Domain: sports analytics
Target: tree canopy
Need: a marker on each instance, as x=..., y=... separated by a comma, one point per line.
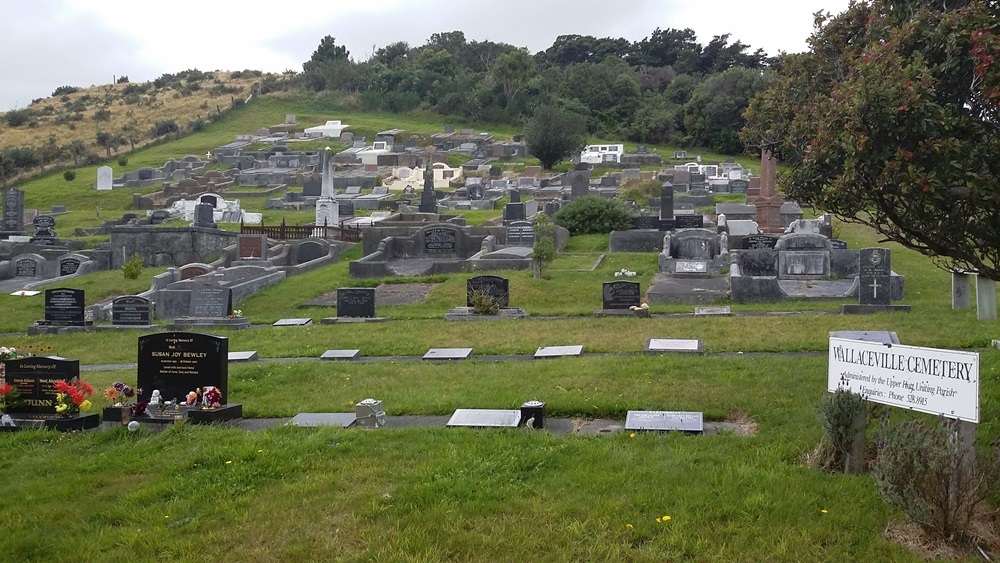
x=890, y=120
x=553, y=134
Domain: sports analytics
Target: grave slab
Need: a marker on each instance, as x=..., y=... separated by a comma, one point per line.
x=448, y=354
x=880, y=336
x=340, y=355
x=558, y=351
x=723, y=311
x=485, y=418
x=664, y=421
x=316, y=419
x=661, y=345
x=247, y=356
x=293, y=322
x=851, y=309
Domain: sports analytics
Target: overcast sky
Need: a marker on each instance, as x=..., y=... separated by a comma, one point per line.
x=50, y=43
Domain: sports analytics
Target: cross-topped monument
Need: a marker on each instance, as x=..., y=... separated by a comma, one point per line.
x=427, y=202
x=768, y=203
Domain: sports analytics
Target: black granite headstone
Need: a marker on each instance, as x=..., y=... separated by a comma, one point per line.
x=514, y=212
x=64, y=306
x=45, y=226
x=515, y=196
x=621, y=295
x=689, y=221
x=35, y=379
x=521, y=233
x=176, y=363
x=356, y=302
x=25, y=268
x=496, y=287
x=131, y=310
x=440, y=240
x=211, y=301
x=738, y=186
x=667, y=201
x=68, y=266
x=13, y=210
x=645, y=222
x=204, y=216
x=346, y=208
x=837, y=244
x=757, y=242
x=874, y=275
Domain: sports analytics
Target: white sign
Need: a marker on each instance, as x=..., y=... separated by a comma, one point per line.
x=928, y=380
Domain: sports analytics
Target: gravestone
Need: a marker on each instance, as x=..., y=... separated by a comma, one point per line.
x=485, y=418
x=664, y=421
x=356, y=302
x=438, y=240
x=758, y=242
x=176, y=363
x=131, y=310
x=521, y=233
x=515, y=196
x=738, y=186
x=514, y=212
x=645, y=222
x=874, y=273
x=252, y=246
x=696, y=221
x=35, y=379
x=69, y=266
x=666, y=201
x=496, y=172
x=640, y=149
x=837, y=244
x=104, y=178
x=204, y=216
x=45, y=232
x=25, y=268
x=209, y=301
x=621, y=295
x=13, y=211
x=309, y=250
x=495, y=286
x=64, y=306
x=579, y=183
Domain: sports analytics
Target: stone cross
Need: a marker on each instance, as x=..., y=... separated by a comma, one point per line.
x=768, y=203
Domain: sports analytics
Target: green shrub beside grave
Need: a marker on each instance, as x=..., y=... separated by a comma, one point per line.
x=133, y=267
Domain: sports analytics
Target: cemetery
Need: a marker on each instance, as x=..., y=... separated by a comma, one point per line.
x=245, y=353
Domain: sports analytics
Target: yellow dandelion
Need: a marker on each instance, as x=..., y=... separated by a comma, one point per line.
x=229, y=462
x=629, y=526
x=167, y=516
x=657, y=519
x=666, y=518
x=260, y=451
x=632, y=435
x=823, y=511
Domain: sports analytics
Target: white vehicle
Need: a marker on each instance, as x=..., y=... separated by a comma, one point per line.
x=596, y=154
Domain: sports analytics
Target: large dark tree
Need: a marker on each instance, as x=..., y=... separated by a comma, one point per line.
x=891, y=121
x=554, y=133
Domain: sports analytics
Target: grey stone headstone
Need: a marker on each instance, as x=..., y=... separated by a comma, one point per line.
x=13, y=210
x=520, y=233
x=485, y=418
x=25, y=268
x=874, y=273
x=515, y=196
x=664, y=421
x=211, y=301
x=204, y=215
x=662, y=345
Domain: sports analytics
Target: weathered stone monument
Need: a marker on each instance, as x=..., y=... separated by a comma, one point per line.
x=428, y=204
x=13, y=212
x=768, y=203
x=327, y=208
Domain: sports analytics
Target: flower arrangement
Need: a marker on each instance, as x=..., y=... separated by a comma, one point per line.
x=7, y=353
x=8, y=394
x=71, y=396
x=236, y=314
x=624, y=273
x=119, y=394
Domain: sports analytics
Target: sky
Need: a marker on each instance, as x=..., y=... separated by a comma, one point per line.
x=52, y=43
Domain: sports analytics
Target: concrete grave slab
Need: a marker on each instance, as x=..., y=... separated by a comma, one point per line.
x=664, y=421
x=293, y=322
x=247, y=356
x=448, y=354
x=341, y=355
x=485, y=418
x=558, y=351
x=316, y=419
x=721, y=311
x=661, y=345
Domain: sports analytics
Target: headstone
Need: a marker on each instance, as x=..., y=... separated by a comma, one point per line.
x=579, y=183
x=738, y=186
x=515, y=196
x=485, y=418
x=986, y=299
x=13, y=211
x=69, y=266
x=666, y=201
x=696, y=221
x=25, y=268
x=496, y=172
x=243, y=356
x=428, y=204
x=293, y=322
x=439, y=240
x=662, y=345
x=961, y=290
x=35, y=379
x=837, y=244
x=621, y=295
x=495, y=286
x=874, y=272
x=64, y=306
x=640, y=148
x=448, y=354
x=176, y=363
x=317, y=419
x=664, y=420
x=645, y=222
x=557, y=351
x=340, y=355
x=680, y=154
x=252, y=246
x=356, y=302
x=514, y=212
x=104, y=177
x=209, y=301
x=327, y=207
x=757, y=242
x=44, y=227
x=131, y=310
x=520, y=233
x=204, y=216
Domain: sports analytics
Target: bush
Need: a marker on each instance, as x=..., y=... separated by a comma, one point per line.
x=544, y=251
x=932, y=477
x=123, y=160
x=18, y=117
x=483, y=303
x=69, y=175
x=165, y=127
x=640, y=192
x=64, y=90
x=839, y=413
x=594, y=215
x=133, y=267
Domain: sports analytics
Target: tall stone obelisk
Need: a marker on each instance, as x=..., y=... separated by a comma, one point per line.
x=327, y=208
x=768, y=203
x=428, y=203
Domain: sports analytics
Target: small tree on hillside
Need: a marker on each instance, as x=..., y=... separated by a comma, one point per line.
x=544, y=250
x=554, y=134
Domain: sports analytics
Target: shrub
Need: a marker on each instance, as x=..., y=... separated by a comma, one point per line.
x=197, y=125
x=839, y=416
x=122, y=79
x=932, y=477
x=594, y=215
x=165, y=127
x=133, y=267
x=64, y=90
x=640, y=192
x=69, y=175
x=544, y=250
x=18, y=117
x=123, y=160
x=483, y=303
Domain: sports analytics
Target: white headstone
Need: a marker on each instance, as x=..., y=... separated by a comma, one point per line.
x=104, y=177
x=327, y=208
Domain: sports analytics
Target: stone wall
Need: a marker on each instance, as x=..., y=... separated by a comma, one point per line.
x=168, y=246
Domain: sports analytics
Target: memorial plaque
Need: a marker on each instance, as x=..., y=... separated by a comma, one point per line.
x=68, y=266
x=293, y=322
x=514, y=212
x=738, y=186
x=64, y=306
x=243, y=356
x=485, y=418
x=448, y=354
x=758, y=242
x=521, y=233
x=689, y=221
x=13, y=210
x=439, y=240
x=496, y=287
x=837, y=244
x=341, y=355
x=661, y=345
x=131, y=310
x=176, y=363
x=691, y=267
x=664, y=421
x=356, y=302
x=558, y=351
x=346, y=208
x=317, y=419
x=621, y=295
x=646, y=222
x=25, y=268
x=874, y=276
x=35, y=379
x=251, y=246
x=211, y=301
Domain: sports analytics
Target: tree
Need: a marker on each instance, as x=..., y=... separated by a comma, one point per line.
x=76, y=149
x=328, y=50
x=554, y=134
x=891, y=120
x=544, y=250
x=594, y=215
x=512, y=70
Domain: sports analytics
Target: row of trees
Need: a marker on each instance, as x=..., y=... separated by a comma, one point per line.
x=664, y=88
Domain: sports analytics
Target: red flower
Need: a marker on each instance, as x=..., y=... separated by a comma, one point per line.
x=63, y=386
x=85, y=387
x=5, y=389
x=925, y=188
